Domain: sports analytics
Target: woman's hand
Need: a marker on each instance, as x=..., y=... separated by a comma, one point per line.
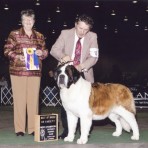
x=39, y=53
x=20, y=57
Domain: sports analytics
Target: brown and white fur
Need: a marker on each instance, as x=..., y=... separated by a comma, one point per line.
x=97, y=101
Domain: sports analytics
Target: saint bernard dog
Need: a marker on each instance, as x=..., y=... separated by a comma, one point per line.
x=97, y=101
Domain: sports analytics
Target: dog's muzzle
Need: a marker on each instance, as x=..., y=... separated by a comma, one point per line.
x=61, y=79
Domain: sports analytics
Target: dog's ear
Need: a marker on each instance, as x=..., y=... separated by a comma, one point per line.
x=76, y=74
x=73, y=73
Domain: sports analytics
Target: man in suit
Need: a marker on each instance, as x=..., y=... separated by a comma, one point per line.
x=86, y=55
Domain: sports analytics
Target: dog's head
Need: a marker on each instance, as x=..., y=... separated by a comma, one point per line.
x=66, y=75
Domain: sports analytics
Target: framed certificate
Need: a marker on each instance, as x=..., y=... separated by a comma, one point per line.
x=31, y=59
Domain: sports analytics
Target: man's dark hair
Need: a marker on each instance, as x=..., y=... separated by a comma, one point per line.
x=28, y=12
x=85, y=18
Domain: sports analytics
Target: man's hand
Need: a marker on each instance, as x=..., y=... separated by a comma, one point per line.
x=65, y=59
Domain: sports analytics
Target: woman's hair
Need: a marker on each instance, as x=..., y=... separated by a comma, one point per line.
x=85, y=18
x=28, y=12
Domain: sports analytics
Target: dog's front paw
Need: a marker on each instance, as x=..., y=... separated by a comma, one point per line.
x=116, y=134
x=69, y=138
x=135, y=137
x=82, y=141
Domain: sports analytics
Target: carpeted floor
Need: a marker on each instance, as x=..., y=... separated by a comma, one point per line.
x=101, y=135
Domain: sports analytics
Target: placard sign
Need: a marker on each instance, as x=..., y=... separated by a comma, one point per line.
x=141, y=100
x=46, y=127
x=140, y=97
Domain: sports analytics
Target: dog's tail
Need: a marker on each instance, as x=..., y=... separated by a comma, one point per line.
x=125, y=125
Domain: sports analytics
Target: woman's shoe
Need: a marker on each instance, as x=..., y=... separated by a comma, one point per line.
x=20, y=134
x=32, y=134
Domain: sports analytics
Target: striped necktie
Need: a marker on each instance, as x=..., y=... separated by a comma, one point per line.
x=77, y=53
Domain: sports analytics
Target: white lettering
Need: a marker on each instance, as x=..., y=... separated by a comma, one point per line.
x=139, y=95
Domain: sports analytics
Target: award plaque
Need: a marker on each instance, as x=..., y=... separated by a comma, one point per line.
x=46, y=127
x=31, y=59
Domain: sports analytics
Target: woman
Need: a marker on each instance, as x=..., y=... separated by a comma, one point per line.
x=25, y=80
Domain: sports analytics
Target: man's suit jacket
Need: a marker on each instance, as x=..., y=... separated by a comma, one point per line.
x=64, y=46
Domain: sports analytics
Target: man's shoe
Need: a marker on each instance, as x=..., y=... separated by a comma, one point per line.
x=20, y=134
x=63, y=135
